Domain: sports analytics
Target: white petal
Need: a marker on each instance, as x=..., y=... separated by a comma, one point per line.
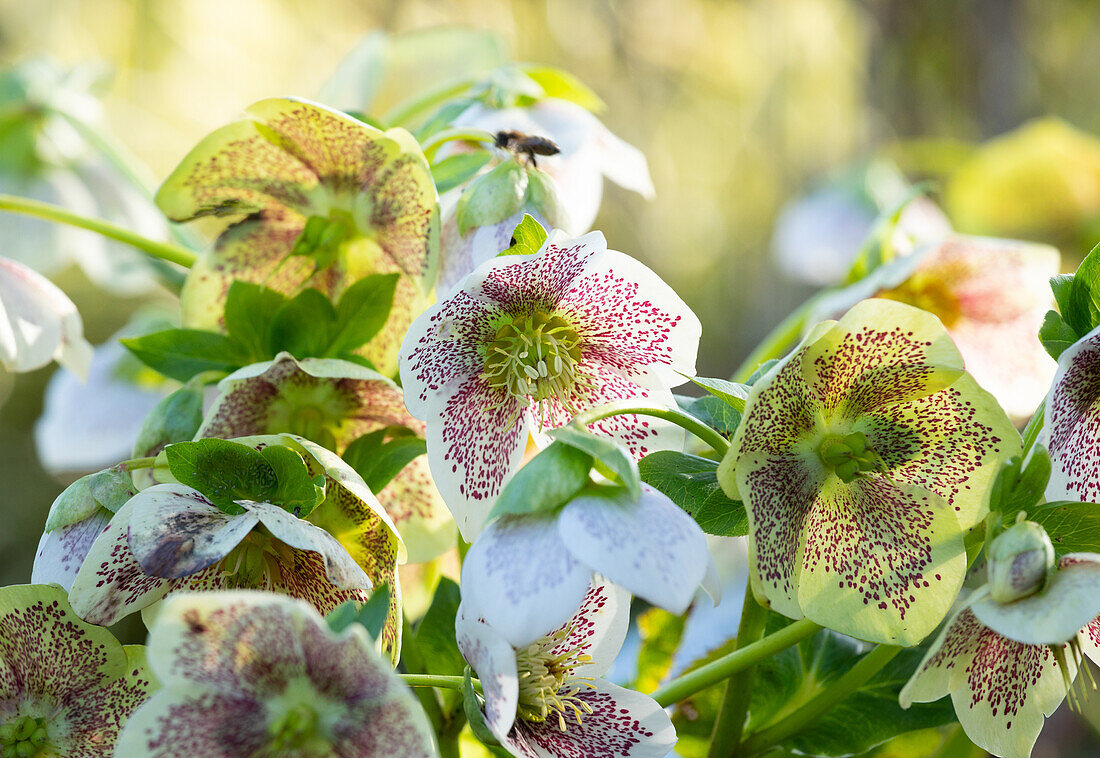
x=494, y=663
x=38, y=323
x=599, y=626
x=460, y=255
x=650, y=547
x=520, y=577
x=62, y=551
x=1072, y=424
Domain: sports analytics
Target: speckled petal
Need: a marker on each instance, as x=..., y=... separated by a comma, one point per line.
x=61, y=551
x=494, y=663
x=522, y=579
x=1089, y=640
x=1070, y=601
x=1001, y=689
x=175, y=531
x=1072, y=424
x=110, y=583
x=201, y=725
x=340, y=568
x=650, y=547
x=622, y=723
x=599, y=626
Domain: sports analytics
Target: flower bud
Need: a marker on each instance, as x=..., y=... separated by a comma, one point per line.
x=1019, y=561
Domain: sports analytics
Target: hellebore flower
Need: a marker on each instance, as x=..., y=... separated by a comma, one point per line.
x=38, y=323
x=327, y=199
x=529, y=341
x=1008, y=663
x=66, y=687
x=527, y=574
x=1070, y=427
x=862, y=459
x=334, y=403
x=589, y=152
x=547, y=699
x=171, y=537
x=991, y=295
x=255, y=674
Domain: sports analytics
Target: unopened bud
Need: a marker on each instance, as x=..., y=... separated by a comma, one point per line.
x=1019, y=561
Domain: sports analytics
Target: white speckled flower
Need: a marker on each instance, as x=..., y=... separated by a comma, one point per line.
x=527, y=574
x=1072, y=423
x=66, y=687
x=254, y=674
x=862, y=460
x=547, y=699
x=527, y=342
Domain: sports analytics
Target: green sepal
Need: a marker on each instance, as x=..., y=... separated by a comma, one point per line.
x=456, y=170
x=564, y=86
x=546, y=482
x=605, y=451
x=379, y=460
x=296, y=491
x=108, y=489
x=175, y=418
x=471, y=706
x=692, y=483
x=527, y=238
x=181, y=353
x=492, y=197
x=542, y=195
x=223, y=471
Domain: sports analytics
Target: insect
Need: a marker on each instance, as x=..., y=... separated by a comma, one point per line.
x=526, y=144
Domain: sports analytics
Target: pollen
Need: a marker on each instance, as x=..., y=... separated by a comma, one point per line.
x=548, y=684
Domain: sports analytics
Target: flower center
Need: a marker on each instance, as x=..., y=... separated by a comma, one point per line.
x=547, y=685
x=257, y=562
x=311, y=408
x=535, y=357
x=300, y=720
x=849, y=456
x=25, y=736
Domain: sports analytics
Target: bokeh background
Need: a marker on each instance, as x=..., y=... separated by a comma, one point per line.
x=740, y=105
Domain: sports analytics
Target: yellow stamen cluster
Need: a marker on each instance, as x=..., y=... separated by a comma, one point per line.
x=547, y=685
x=534, y=358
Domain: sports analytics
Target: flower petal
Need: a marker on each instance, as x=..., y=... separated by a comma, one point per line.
x=494, y=661
x=522, y=579
x=1070, y=601
x=650, y=547
x=462, y=254
x=599, y=626
x=202, y=725
x=340, y=568
x=175, y=531
x=622, y=723
x=62, y=551
x=880, y=561
x=1072, y=424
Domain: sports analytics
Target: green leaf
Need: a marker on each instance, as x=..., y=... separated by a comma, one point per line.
x=1073, y=527
x=660, y=632
x=731, y=392
x=342, y=616
x=175, y=418
x=492, y=197
x=296, y=492
x=1020, y=489
x=458, y=169
x=379, y=461
x=692, y=483
x=1062, y=287
x=546, y=482
x=1056, y=335
x=181, y=353
x=565, y=86
x=471, y=705
x=109, y=489
x=435, y=634
x=712, y=411
x=527, y=237
x=762, y=369
x=249, y=311
x=374, y=612
x=1083, y=312
x=223, y=471
x=868, y=717
x=303, y=325
x=606, y=451
x=362, y=312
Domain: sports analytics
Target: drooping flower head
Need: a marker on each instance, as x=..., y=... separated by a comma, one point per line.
x=528, y=341
x=66, y=687
x=1072, y=423
x=172, y=537
x=335, y=403
x=1009, y=655
x=547, y=699
x=862, y=459
x=327, y=199
x=251, y=673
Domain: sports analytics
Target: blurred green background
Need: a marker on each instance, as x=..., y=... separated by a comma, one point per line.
x=738, y=104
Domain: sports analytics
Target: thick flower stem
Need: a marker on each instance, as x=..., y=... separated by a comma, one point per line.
x=777, y=342
x=437, y=681
x=726, y=736
x=830, y=696
x=162, y=250
x=410, y=655
x=739, y=660
x=716, y=441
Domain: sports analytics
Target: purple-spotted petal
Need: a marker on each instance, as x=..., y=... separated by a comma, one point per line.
x=622, y=723
x=340, y=568
x=62, y=551
x=650, y=547
x=599, y=626
x=201, y=725
x=494, y=662
x=1072, y=424
x=522, y=579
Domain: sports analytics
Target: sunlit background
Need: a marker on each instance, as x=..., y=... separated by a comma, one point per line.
x=738, y=105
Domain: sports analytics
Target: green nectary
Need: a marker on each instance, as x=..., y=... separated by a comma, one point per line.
x=534, y=356
x=24, y=737
x=849, y=456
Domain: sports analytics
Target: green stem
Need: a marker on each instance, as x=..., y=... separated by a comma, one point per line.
x=448, y=746
x=414, y=661
x=730, y=664
x=137, y=463
x=162, y=250
x=431, y=145
x=726, y=737
x=778, y=341
x=830, y=696
x=437, y=681
x=1034, y=426
x=401, y=113
x=687, y=421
